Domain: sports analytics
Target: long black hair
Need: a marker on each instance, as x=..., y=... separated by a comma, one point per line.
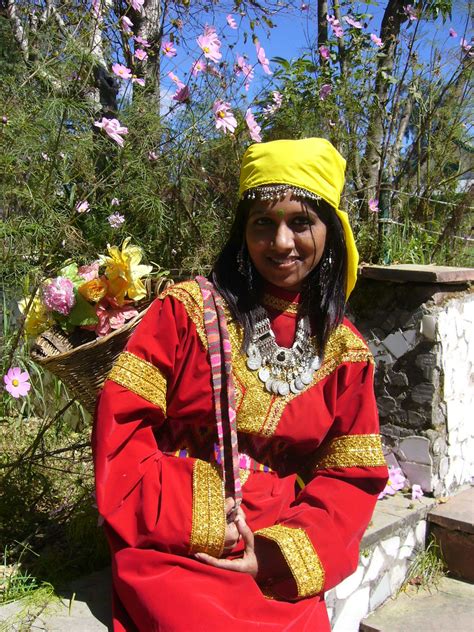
x=324, y=289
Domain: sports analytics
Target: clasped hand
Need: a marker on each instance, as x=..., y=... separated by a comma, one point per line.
x=236, y=530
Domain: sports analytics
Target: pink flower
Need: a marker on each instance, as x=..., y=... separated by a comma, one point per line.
x=58, y=295
x=122, y=71
x=465, y=45
x=335, y=25
x=452, y=33
x=139, y=80
x=416, y=492
x=113, y=129
x=114, y=202
x=89, y=272
x=231, y=22
x=396, y=481
x=182, y=94
x=96, y=8
x=127, y=24
x=325, y=91
x=210, y=45
x=142, y=41
x=168, y=49
x=243, y=68
x=137, y=4
x=152, y=156
x=354, y=23
x=140, y=54
x=410, y=12
x=324, y=52
x=197, y=67
x=111, y=316
x=374, y=205
x=262, y=58
x=83, y=207
x=254, y=127
x=224, y=118
x=116, y=220
x=16, y=382
x=376, y=40
x=277, y=99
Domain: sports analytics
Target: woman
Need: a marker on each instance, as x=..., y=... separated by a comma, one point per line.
x=183, y=558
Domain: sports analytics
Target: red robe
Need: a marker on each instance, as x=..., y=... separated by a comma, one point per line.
x=312, y=467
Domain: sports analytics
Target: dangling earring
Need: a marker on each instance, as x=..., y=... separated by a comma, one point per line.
x=325, y=267
x=244, y=265
x=240, y=260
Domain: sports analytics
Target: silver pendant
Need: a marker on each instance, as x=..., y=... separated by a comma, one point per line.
x=293, y=388
x=316, y=363
x=299, y=384
x=306, y=377
x=264, y=374
x=283, y=389
x=268, y=385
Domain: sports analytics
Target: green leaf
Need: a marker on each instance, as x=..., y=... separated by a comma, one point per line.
x=83, y=313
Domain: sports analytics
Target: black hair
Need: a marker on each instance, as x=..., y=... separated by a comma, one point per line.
x=324, y=289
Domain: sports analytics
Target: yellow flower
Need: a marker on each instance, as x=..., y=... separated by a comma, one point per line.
x=93, y=290
x=37, y=320
x=125, y=265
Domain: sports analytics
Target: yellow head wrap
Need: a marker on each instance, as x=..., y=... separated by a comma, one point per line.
x=310, y=163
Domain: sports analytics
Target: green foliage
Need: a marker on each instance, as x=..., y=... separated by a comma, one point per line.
x=427, y=568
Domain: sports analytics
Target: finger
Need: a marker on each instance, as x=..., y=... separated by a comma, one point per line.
x=247, y=534
x=229, y=504
x=229, y=565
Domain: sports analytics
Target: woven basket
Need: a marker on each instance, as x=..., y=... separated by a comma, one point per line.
x=83, y=366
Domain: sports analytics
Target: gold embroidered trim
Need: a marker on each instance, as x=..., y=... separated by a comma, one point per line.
x=259, y=412
x=352, y=451
x=189, y=294
x=299, y=553
x=208, y=530
x=140, y=377
x=279, y=304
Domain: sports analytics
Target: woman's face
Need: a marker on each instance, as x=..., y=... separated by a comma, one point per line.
x=285, y=240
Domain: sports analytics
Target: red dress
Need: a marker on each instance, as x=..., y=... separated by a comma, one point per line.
x=312, y=467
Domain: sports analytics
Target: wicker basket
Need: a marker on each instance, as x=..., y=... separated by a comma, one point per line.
x=83, y=366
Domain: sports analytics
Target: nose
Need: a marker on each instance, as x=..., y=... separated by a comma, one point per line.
x=283, y=239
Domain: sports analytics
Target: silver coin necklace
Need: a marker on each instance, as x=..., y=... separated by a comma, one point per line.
x=281, y=369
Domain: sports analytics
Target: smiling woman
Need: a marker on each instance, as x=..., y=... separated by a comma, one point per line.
x=201, y=542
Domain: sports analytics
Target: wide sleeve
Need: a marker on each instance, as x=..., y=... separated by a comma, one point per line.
x=148, y=498
x=319, y=533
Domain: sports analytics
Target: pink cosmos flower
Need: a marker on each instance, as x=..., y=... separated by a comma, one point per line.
x=83, y=207
x=416, y=492
x=137, y=5
x=354, y=23
x=58, y=295
x=210, y=44
x=410, y=12
x=231, y=22
x=89, y=272
x=197, y=67
x=254, y=127
x=466, y=46
x=16, y=382
x=243, y=68
x=152, y=156
x=374, y=205
x=140, y=54
x=139, y=80
x=224, y=117
x=113, y=129
x=182, y=94
x=122, y=71
x=324, y=52
x=325, y=91
x=335, y=25
x=277, y=99
x=142, y=41
x=116, y=220
x=127, y=24
x=168, y=49
x=262, y=58
x=396, y=481
x=376, y=40
x=114, y=202
x=452, y=33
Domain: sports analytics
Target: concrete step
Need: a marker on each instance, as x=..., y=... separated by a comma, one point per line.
x=452, y=525
x=450, y=606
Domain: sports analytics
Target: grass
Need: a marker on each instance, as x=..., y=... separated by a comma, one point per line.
x=426, y=569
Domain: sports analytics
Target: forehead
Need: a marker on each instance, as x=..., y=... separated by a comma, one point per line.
x=281, y=207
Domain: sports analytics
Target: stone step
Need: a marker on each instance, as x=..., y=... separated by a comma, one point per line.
x=452, y=525
x=450, y=606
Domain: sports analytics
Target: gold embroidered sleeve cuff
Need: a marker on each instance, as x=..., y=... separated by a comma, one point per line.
x=208, y=527
x=299, y=553
x=140, y=377
x=352, y=451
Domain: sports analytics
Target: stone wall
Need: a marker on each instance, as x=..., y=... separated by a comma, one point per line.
x=419, y=323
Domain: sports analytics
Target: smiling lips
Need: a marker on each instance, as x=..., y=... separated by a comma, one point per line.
x=283, y=263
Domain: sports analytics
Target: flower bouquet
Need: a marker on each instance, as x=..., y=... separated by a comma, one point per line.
x=83, y=317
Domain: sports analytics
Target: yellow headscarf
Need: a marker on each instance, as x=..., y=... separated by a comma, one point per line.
x=310, y=163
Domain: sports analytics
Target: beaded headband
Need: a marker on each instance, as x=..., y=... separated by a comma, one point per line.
x=277, y=191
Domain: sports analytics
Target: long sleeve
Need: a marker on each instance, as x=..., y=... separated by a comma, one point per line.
x=319, y=533
x=148, y=498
